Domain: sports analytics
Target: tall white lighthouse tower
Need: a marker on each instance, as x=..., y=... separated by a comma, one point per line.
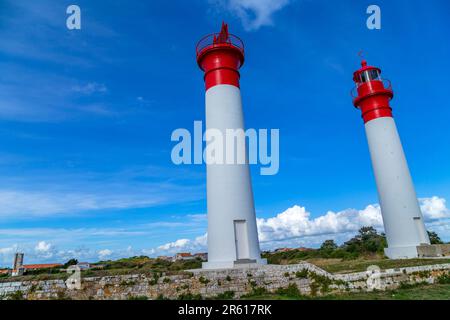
x=232, y=231
x=403, y=221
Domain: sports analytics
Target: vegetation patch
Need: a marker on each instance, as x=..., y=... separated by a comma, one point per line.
x=227, y=295
x=203, y=280
x=190, y=296
x=444, y=279
x=17, y=295
x=302, y=274
x=137, y=298
x=291, y=291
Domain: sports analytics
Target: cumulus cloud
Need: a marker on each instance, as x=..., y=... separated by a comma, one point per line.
x=44, y=250
x=253, y=13
x=434, y=208
x=196, y=245
x=43, y=246
x=104, y=253
x=296, y=222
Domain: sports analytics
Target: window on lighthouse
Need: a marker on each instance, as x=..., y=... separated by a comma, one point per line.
x=370, y=75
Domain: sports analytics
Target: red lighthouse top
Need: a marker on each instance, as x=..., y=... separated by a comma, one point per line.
x=373, y=93
x=220, y=56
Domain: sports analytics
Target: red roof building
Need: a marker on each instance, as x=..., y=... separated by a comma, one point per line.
x=41, y=266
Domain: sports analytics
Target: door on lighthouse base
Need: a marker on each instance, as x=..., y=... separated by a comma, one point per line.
x=241, y=239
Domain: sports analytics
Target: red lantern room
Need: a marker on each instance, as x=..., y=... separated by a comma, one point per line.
x=220, y=56
x=373, y=93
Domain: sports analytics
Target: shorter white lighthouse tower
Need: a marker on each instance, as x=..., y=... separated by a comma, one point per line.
x=402, y=217
x=232, y=230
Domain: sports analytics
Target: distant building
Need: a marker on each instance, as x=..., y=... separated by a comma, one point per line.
x=84, y=265
x=34, y=267
x=202, y=255
x=18, y=268
x=4, y=271
x=304, y=249
x=184, y=256
x=18, y=261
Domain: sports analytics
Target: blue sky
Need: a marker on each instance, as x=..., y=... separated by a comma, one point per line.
x=86, y=118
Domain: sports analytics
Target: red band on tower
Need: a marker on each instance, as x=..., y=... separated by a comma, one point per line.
x=220, y=56
x=373, y=96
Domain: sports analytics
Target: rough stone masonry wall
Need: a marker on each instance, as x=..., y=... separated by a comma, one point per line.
x=212, y=283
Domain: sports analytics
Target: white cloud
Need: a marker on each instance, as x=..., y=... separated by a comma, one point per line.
x=46, y=202
x=51, y=192
x=44, y=250
x=254, y=13
x=434, y=208
x=43, y=247
x=180, y=243
x=90, y=88
x=6, y=251
x=296, y=222
x=196, y=245
x=104, y=253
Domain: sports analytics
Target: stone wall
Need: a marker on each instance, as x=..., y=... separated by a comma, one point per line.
x=435, y=250
x=309, y=279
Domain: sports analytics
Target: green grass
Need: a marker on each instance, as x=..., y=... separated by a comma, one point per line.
x=423, y=292
x=348, y=266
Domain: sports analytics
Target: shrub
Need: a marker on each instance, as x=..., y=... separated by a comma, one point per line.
x=190, y=296
x=17, y=295
x=444, y=278
x=166, y=280
x=227, y=295
x=322, y=282
x=62, y=295
x=291, y=291
x=228, y=278
x=71, y=262
x=257, y=291
x=154, y=280
x=303, y=274
x=434, y=238
x=327, y=248
x=203, y=280
x=127, y=283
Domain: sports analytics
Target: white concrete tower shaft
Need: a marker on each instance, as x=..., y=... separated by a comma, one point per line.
x=232, y=229
x=402, y=217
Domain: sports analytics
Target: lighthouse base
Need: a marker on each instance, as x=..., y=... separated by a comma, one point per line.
x=409, y=252
x=214, y=265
